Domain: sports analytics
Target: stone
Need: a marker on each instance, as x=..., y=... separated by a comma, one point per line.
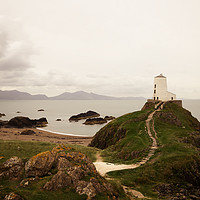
x=40, y=110
x=63, y=163
x=92, y=121
x=3, y=123
x=20, y=122
x=40, y=164
x=12, y=169
x=84, y=187
x=58, y=181
x=109, y=118
x=58, y=120
x=2, y=115
x=13, y=196
x=25, y=122
x=76, y=173
x=89, y=114
x=28, y=132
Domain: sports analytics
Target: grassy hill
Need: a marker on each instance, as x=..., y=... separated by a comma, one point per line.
x=174, y=170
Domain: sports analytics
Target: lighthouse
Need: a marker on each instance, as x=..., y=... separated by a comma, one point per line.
x=160, y=92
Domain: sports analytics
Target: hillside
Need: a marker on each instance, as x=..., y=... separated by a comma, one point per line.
x=174, y=170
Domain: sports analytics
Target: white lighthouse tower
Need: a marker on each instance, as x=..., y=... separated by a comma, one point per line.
x=160, y=89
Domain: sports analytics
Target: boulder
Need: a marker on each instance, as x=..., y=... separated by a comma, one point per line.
x=12, y=169
x=76, y=173
x=2, y=115
x=58, y=120
x=109, y=118
x=13, y=196
x=63, y=163
x=40, y=164
x=42, y=122
x=20, y=122
x=25, y=122
x=67, y=168
x=3, y=123
x=58, y=181
x=28, y=132
x=40, y=110
x=92, y=121
x=89, y=114
x=84, y=187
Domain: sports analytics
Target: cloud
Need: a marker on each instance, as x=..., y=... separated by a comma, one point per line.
x=15, y=48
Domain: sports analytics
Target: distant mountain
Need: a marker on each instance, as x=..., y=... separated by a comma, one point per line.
x=80, y=95
x=16, y=95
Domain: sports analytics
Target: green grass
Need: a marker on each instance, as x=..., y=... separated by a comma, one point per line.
x=173, y=162
x=26, y=150
x=34, y=191
x=135, y=142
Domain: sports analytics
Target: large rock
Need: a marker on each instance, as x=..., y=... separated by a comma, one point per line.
x=58, y=181
x=40, y=164
x=12, y=169
x=66, y=169
x=28, y=132
x=3, y=123
x=109, y=118
x=25, y=122
x=2, y=115
x=89, y=114
x=20, y=122
x=92, y=121
x=84, y=187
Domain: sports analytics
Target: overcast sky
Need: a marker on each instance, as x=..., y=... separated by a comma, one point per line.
x=111, y=47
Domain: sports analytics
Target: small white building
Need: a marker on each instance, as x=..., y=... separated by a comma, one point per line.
x=160, y=89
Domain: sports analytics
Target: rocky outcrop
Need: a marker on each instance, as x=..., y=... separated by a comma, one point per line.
x=92, y=121
x=40, y=164
x=89, y=114
x=108, y=118
x=65, y=169
x=25, y=122
x=58, y=181
x=12, y=169
x=3, y=123
x=2, y=115
x=98, y=120
x=28, y=132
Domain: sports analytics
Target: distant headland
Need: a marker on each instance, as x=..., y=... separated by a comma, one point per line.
x=79, y=95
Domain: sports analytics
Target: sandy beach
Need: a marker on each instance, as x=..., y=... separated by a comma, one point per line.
x=42, y=136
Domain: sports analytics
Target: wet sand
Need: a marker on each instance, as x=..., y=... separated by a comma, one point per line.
x=42, y=136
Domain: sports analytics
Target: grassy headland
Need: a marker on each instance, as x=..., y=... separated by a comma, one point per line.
x=174, y=170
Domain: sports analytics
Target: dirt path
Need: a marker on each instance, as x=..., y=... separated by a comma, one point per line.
x=104, y=167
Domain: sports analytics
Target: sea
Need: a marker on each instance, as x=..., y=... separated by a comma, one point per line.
x=64, y=109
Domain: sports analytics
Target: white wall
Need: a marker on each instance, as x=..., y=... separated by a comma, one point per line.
x=160, y=90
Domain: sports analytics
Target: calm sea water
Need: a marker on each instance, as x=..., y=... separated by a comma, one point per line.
x=65, y=109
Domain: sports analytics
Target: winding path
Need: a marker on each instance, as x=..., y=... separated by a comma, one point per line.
x=104, y=167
